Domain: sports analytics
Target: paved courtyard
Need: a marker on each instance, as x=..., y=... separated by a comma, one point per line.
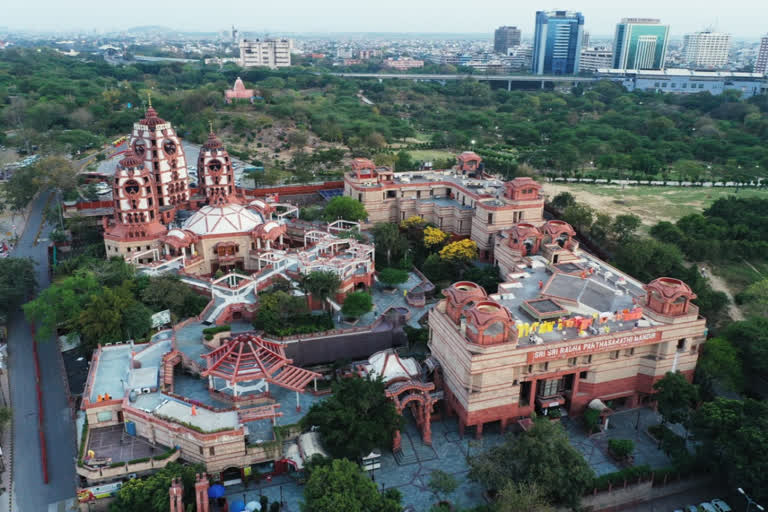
x=409, y=471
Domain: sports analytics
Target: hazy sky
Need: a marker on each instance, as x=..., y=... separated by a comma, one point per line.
x=742, y=18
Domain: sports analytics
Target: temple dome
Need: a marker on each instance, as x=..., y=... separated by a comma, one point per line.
x=224, y=219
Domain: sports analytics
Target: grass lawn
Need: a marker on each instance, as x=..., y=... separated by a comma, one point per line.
x=651, y=204
x=431, y=154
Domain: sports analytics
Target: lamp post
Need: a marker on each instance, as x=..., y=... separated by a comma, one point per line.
x=473, y=144
x=750, y=501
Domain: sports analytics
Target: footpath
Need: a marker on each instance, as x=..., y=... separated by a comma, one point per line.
x=7, y=500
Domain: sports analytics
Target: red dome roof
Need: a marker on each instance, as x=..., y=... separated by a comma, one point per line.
x=213, y=142
x=131, y=160
x=151, y=118
x=670, y=288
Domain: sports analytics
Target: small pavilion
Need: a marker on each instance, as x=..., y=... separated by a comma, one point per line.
x=248, y=364
x=239, y=92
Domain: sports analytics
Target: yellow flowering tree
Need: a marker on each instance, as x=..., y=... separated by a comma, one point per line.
x=412, y=222
x=459, y=252
x=434, y=237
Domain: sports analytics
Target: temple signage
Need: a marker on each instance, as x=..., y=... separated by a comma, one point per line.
x=601, y=344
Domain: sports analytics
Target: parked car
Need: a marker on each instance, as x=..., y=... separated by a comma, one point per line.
x=706, y=507
x=721, y=506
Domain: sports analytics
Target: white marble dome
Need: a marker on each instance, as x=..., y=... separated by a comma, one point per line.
x=224, y=219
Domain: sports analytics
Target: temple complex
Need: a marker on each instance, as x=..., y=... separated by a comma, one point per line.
x=239, y=92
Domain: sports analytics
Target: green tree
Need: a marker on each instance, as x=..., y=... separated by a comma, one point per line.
x=20, y=189
x=404, y=162
x=733, y=443
x=720, y=361
x=442, y=484
x=343, y=486
x=624, y=227
x=5, y=416
x=168, y=292
x=150, y=493
x=392, y=276
x=542, y=455
x=60, y=304
x=675, y=397
x=17, y=282
x=356, y=419
x=356, y=304
x=389, y=241
x=600, y=228
x=322, y=284
x=343, y=207
x=579, y=216
x=522, y=497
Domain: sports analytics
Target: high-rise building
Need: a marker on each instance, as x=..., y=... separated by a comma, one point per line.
x=761, y=65
x=708, y=50
x=593, y=59
x=273, y=53
x=640, y=43
x=505, y=38
x=585, y=40
x=557, y=42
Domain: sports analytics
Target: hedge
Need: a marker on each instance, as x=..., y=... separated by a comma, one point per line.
x=210, y=331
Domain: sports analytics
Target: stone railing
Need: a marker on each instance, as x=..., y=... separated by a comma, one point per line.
x=123, y=469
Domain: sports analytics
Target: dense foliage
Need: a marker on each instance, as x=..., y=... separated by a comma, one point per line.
x=541, y=456
x=356, y=419
x=17, y=283
x=283, y=314
x=342, y=485
x=150, y=494
x=356, y=304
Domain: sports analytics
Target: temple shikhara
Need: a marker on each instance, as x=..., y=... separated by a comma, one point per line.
x=565, y=331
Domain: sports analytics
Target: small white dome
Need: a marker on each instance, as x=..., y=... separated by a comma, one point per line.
x=218, y=220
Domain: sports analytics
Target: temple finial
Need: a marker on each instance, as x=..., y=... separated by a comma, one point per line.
x=210, y=126
x=149, y=98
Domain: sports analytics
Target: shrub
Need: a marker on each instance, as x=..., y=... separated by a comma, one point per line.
x=591, y=419
x=629, y=475
x=621, y=448
x=210, y=331
x=139, y=460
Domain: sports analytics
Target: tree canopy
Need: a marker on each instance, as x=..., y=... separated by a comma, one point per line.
x=541, y=456
x=341, y=485
x=150, y=493
x=17, y=282
x=355, y=419
x=356, y=304
x=343, y=207
x=675, y=397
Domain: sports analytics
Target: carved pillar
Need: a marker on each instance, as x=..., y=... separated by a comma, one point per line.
x=176, y=493
x=479, y=431
x=396, y=441
x=427, y=428
x=201, y=492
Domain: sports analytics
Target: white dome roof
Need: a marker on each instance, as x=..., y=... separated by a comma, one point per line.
x=218, y=220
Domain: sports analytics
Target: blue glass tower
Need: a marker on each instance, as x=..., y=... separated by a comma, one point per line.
x=557, y=42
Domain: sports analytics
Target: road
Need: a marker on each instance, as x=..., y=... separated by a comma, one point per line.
x=31, y=494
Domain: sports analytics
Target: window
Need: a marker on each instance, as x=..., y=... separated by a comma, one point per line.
x=360, y=197
x=201, y=450
x=490, y=218
x=543, y=366
x=681, y=345
x=615, y=354
x=211, y=451
x=629, y=352
x=528, y=369
x=549, y=387
x=418, y=194
x=572, y=361
x=664, y=85
x=586, y=359
x=583, y=375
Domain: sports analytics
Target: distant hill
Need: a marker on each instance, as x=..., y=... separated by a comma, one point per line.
x=148, y=29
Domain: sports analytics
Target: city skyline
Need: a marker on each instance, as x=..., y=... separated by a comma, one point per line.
x=742, y=18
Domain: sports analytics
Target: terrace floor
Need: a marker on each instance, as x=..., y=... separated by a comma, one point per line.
x=114, y=443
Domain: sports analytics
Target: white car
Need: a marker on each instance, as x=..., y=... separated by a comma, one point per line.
x=102, y=188
x=706, y=507
x=721, y=506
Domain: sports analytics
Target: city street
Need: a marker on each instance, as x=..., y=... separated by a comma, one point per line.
x=30, y=493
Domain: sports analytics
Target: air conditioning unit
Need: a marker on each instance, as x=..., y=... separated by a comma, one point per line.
x=146, y=390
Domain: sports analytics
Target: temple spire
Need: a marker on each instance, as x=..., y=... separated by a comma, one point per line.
x=149, y=98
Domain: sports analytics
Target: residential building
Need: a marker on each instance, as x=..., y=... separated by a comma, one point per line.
x=505, y=38
x=403, y=63
x=640, y=43
x=685, y=81
x=706, y=50
x=761, y=65
x=557, y=42
x=565, y=331
x=273, y=53
x=460, y=201
x=593, y=59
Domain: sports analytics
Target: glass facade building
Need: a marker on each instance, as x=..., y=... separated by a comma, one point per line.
x=640, y=43
x=557, y=42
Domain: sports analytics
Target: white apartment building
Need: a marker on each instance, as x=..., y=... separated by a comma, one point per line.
x=707, y=50
x=272, y=53
x=761, y=66
x=593, y=59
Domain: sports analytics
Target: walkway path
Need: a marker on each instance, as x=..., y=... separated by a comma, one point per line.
x=30, y=492
x=719, y=284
